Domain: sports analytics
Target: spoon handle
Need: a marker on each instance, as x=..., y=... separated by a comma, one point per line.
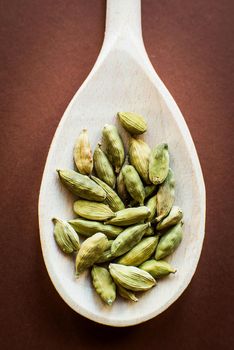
x=123, y=19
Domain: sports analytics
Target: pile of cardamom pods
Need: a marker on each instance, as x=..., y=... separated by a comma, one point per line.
x=125, y=211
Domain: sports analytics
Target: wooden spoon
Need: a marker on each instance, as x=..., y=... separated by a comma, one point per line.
x=123, y=79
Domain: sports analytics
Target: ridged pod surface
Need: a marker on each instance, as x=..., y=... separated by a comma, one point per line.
x=139, y=153
x=112, y=199
x=114, y=146
x=103, y=167
x=134, y=123
x=131, y=277
x=81, y=185
x=83, y=154
x=93, y=210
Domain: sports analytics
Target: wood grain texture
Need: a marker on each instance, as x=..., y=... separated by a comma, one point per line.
x=190, y=45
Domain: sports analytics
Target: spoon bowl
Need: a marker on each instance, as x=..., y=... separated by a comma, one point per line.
x=123, y=79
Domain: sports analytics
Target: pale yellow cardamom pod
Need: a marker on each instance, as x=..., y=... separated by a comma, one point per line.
x=131, y=277
x=134, y=123
x=83, y=154
x=139, y=153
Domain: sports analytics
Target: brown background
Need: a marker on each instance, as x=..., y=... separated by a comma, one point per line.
x=47, y=49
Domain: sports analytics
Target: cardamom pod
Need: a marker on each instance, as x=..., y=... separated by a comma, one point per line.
x=112, y=199
x=152, y=204
x=106, y=255
x=121, y=188
x=65, y=236
x=169, y=241
x=134, y=184
x=103, y=167
x=134, y=123
x=157, y=269
x=126, y=294
x=128, y=239
x=131, y=277
x=129, y=216
x=165, y=196
x=81, y=185
x=88, y=228
x=103, y=284
x=140, y=252
x=114, y=146
x=139, y=153
x=159, y=164
x=93, y=210
x=171, y=219
x=90, y=251
x=83, y=154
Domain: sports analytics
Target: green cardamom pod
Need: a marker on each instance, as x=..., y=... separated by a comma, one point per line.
x=103, y=167
x=90, y=251
x=165, y=196
x=114, y=146
x=126, y=294
x=103, y=284
x=128, y=239
x=140, y=252
x=152, y=205
x=129, y=216
x=93, y=210
x=81, y=185
x=139, y=153
x=83, y=154
x=121, y=188
x=88, y=228
x=106, y=255
x=112, y=199
x=171, y=219
x=159, y=164
x=157, y=269
x=134, y=184
x=65, y=236
x=131, y=277
x=134, y=123
x=169, y=241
